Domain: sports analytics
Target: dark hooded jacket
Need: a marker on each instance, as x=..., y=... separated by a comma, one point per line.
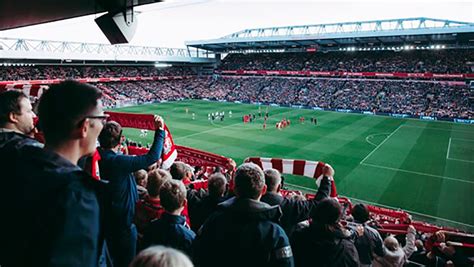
x=316, y=246
x=243, y=232
x=57, y=222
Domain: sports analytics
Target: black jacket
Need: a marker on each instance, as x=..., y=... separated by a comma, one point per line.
x=171, y=231
x=295, y=211
x=313, y=246
x=243, y=232
x=202, y=209
x=57, y=222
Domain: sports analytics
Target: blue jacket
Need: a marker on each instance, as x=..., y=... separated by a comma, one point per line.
x=244, y=232
x=170, y=230
x=122, y=191
x=57, y=222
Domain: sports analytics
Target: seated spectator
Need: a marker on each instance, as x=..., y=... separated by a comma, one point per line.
x=396, y=256
x=370, y=243
x=325, y=242
x=122, y=193
x=243, y=231
x=159, y=256
x=59, y=223
x=149, y=208
x=141, y=178
x=217, y=187
x=171, y=229
x=294, y=210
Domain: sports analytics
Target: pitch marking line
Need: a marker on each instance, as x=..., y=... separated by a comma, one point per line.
x=449, y=147
x=437, y=129
x=377, y=147
x=372, y=135
x=418, y=173
x=386, y=206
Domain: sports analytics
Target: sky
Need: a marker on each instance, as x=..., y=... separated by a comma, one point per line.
x=171, y=23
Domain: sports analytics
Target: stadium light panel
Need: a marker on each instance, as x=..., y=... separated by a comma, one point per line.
x=443, y=46
x=438, y=46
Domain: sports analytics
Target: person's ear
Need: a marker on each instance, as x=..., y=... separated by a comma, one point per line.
x=12, y=117
x=83, y=128
x=278, y=188
x=264, y=189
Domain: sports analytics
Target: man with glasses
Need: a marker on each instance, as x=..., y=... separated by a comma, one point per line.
x=59, y=222
x=122, y=194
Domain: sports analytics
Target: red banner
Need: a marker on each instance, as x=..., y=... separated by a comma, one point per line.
x=191, y=156
x=426, y=75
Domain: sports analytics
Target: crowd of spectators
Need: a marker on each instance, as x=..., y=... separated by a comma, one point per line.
x=66, y=213
x=434, y=61
x=402, y=97
x=15, y=73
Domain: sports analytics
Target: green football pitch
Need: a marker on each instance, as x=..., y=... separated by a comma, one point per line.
x=424, y=167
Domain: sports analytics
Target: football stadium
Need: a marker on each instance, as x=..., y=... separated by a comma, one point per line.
x=349, y=143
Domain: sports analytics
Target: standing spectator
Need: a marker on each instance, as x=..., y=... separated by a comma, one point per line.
x=59, y=223
x=149, y=208
x=217, y=187
x=171, y=229
x=370, y=243
x=16, y=126
x=294, y=210
x=243, y=231
x=396, y=256
x=325, y=242
x=122, y=195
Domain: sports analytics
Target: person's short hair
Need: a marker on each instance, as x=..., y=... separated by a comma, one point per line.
x=156, y=179
x=172, y=195
x=141, y=177
x=272, y=179
x=391, y=243
x=63, y=106
x=360, y=212
x=327, y=212
x=111, y=135
x=160, y=256
x=10, y=103
x=249, y=181
x=179, y=170
x=216, y=184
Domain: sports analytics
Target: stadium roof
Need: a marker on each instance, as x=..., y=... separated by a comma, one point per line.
x=14, y=14
x=375, y=33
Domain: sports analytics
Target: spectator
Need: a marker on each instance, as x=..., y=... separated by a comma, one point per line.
x=217, y=187
x=171, y=229
x=396, y=256
x=370, y=243
x=294, y=210
x=325, y=241
x=59, y=223
x=159, y=256
x=149, y=208
x=243, y=232
x=141, y=178
x=122, y=195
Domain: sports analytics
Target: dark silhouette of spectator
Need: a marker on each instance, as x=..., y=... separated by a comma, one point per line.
x=294, y=210
x=370, y=243
x=325, y=242
x=244, y=232
x=171, y=229
x=59, y=223
x=122, y=194
x=217, y=187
